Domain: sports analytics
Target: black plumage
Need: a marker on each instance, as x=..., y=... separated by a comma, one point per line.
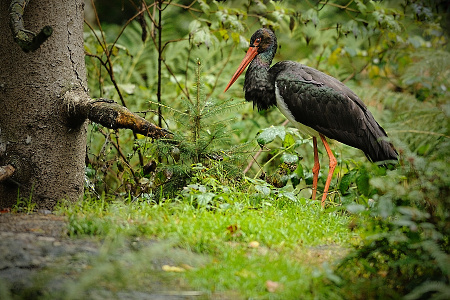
x=331, y=108
x=308, y=97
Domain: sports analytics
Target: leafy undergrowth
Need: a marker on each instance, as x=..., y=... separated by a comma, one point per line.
x=252, y=247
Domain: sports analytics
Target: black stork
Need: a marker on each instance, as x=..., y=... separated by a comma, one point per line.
x=314, y=102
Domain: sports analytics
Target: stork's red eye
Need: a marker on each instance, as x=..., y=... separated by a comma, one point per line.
x=256, y=42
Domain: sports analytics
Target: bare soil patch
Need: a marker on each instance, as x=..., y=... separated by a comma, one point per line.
x=35, y=250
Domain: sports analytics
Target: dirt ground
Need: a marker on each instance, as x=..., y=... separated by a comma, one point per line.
x=38, y=260
x=33, y=243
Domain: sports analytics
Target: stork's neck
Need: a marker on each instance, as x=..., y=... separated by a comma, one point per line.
x=264, y=60
x=259, y=85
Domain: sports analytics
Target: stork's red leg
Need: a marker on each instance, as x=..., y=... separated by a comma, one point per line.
x=333, y=163
x=315, y=169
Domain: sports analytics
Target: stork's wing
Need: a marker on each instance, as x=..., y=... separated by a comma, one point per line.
x=328, y=106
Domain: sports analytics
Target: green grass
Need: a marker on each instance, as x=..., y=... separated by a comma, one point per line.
x=293, y=239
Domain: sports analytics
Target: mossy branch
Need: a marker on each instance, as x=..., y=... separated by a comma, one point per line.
x=27, y=40
x=115, y=116
x=109, y=114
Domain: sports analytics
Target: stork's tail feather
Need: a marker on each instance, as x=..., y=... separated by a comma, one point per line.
x=382, y=150
x=377, y=147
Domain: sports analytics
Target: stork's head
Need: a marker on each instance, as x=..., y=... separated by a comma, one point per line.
x=262, y=41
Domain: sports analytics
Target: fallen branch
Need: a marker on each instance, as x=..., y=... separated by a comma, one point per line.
x=6, y=172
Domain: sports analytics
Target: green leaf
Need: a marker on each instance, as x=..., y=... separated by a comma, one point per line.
x=99, y=49
x=361, y=7
x=267, y=135
x=355, y=208
x=346, y=181
x=351, y=51
x=310, y=15
x=205, y=7
x=288, y=140
x=263, y=189
x=289, y=158
x=299, y=171
x=205, y=199
x=194, y=26
x=236, y=37
x=288, y=195
x=362, y=182
x=224, y=34
x=243, y=43
x=416, y=41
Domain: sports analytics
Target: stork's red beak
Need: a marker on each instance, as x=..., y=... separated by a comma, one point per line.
x=251, y=53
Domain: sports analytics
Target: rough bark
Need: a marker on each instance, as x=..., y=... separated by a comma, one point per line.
x=35, y=136
x=44, y=103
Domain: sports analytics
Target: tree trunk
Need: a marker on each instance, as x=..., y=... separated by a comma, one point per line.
x=37, y=138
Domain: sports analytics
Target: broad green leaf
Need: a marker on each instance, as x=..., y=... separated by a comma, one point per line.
x=224, y=34
x=99, y=49
x=263, y=189
x=269, y=134
x=288, y=195
x=350, y=50
x=205, y=198
x=355, y=208
x=204, y=6
x=194, y=26
x=243, y=43
x=310, y=15
x=288, y=140
x=289, y=158
x=235, y=37
x=299, y=171
x=362, y=182
x=346, y=181
x=361, y=7
x=416, y=41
